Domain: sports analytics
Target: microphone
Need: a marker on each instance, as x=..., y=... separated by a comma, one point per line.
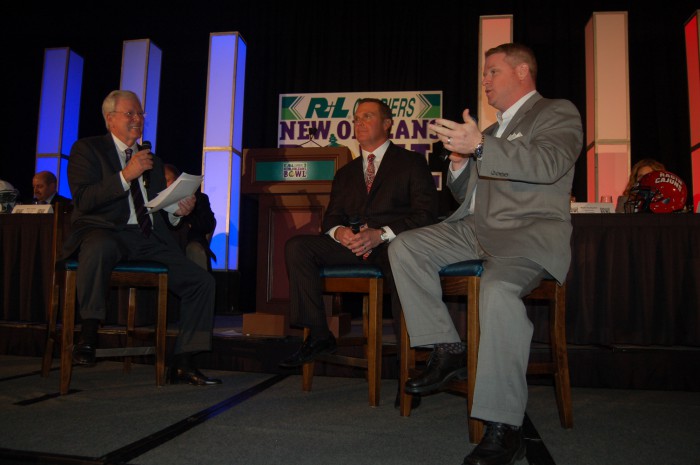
x=146, y=174
x=355, y=222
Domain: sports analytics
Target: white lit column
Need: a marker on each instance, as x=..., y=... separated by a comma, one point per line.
x=692, y=51
x=141, y=63
x=223, y=132
x=493, y=31
x=607, y=105
x=59, y=110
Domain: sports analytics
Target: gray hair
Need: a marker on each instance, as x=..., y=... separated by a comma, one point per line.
x=109, y=104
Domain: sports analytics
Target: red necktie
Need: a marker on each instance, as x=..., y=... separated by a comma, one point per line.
x=139, y=204
x=369, y=178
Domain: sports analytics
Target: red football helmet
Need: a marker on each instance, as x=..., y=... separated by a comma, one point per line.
x=657, y=192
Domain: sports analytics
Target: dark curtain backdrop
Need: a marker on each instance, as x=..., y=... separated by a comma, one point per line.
x=331, y=47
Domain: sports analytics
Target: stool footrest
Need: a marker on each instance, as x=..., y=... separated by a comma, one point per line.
x=125, y=351
x=343, y=360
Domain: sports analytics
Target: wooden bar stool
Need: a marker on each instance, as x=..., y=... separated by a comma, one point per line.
x=368, y=280
x=462, y=279
x=131, y=275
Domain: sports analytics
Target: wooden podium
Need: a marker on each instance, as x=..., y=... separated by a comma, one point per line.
x=293, y=187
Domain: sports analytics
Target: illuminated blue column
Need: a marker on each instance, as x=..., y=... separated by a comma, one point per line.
x=223, y=129
x=59, y=111
x=141, y=62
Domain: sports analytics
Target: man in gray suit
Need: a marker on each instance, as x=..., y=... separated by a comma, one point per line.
x=513, y=183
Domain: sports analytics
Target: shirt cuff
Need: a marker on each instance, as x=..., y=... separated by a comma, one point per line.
x=174, y=219
x=331, y=232
x=125, y=184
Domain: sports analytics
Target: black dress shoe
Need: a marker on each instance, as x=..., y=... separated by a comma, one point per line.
x=501, y=445
x=415, y=400
x=84, y=354
x=190, y=376
x=442, y=367
x=309, y=350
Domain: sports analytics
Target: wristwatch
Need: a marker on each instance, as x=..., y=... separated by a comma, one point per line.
x=479, y=150
x=384, y=236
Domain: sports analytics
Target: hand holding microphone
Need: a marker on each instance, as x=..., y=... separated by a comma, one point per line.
x=138, y=165
x=146, y=145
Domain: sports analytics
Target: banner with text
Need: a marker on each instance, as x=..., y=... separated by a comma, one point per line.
x=322, y=119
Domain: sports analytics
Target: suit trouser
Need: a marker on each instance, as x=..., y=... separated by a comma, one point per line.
x=101, y=249
x=305, y=255
x=416, y=257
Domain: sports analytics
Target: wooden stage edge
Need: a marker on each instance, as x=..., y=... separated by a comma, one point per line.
x=618, y=367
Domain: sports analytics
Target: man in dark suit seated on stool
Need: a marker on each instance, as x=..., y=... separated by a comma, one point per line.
x=111, y=178
x=383, y=192
x=45, y=187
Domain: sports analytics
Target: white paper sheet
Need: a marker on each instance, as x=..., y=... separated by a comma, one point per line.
x=184, y=186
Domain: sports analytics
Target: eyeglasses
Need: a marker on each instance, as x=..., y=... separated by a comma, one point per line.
x=131, y=114
x=366, y=118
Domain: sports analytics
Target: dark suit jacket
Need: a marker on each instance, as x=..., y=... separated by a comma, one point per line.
x=403, y=194
x=197, y=225
x=99, y=199
x=60, y=198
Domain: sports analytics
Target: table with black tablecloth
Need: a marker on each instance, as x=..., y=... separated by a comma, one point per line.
x=634, y=279
x=25, y=274
x=25, y=266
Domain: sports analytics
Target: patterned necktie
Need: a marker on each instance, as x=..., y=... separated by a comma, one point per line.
x=139, y=204
x=369, y=177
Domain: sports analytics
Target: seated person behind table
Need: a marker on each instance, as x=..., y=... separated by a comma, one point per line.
x=194, y=232
x=45, y=186
x=639, y=169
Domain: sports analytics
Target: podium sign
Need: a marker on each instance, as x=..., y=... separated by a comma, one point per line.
x=293, y=187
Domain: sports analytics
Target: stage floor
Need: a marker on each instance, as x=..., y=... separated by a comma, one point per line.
x=259, y=418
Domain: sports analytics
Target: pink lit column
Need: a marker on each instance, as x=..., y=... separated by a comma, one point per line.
x=607, y=105
x=493, y=31
x=692, y=50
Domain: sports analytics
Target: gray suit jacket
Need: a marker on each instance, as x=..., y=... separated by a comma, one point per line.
x=523, y=184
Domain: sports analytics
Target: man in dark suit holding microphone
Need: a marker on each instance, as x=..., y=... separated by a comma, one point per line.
x=381, y=193
x=107, y=177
